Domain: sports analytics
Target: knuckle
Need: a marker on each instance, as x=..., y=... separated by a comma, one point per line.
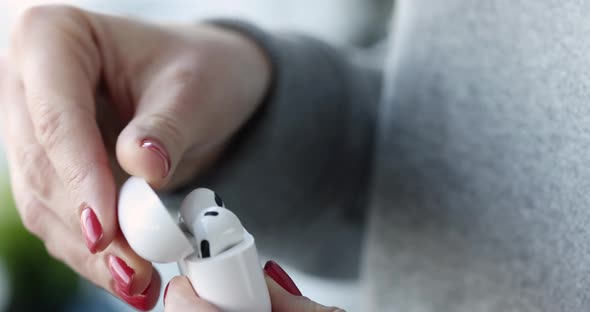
x=36, y=19
x=182, y=77
x=187, y=71
x=75, y=176
x=55, y=250
x=93, y=268
x=30, y=18
x=31, y=216
x=87, y=266
x=35, y=16
x=35, y=168
x=49, y=124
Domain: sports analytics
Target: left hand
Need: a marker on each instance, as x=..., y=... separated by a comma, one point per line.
x=87, y=99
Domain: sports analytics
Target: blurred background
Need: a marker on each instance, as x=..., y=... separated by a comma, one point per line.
x=31, y=281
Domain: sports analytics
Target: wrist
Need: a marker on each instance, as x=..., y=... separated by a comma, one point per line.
x=257, y=70
x=253, y=40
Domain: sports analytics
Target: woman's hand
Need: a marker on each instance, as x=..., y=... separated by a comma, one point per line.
x=83, y=93
x=284, y=295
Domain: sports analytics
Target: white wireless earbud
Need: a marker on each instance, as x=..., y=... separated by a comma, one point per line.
x=216, y=230
x=208, y=242
x=197, y=201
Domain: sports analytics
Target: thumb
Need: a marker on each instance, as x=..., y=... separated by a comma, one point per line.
x=179, y=296
x=283, y=301
x=164, y=127
x=287, y=298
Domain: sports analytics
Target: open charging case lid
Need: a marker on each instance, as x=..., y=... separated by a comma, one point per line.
x=149, y=226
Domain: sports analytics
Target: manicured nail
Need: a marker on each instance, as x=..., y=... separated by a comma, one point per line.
x=144, y=301
x=159, y=150
x=274, y=271
x=122, y=274
x=91, y=228
x=166, y=292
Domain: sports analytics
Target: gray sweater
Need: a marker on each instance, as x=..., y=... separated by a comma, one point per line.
x=472, y=165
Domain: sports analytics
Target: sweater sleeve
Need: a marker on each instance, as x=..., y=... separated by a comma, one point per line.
x=301, y=164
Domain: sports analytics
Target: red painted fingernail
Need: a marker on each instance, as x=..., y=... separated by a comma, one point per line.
x=122, y=274
x=166, y=292
x=274, y=271
x=147, y=299
x=159, y=150
x=91, y=228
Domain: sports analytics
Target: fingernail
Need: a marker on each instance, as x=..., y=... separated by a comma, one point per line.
x=274, y=271
x=159, y=150
x=144, y=301
x=139, y=302
x=122, y=274
x=91, y=228
x=166, y=292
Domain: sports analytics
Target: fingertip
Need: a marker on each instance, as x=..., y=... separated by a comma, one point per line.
x=144, y=156
x=278, y=274
x=147, y=299
x=98, y=214
x=179, y=293
x=96, y=236
x=181, y=286
x=132, y=274
x=158, y=155
x=283, y=300
x=181, y=296
x=274, y=289
x=144, y=272
x=137, y=268
x=91, y=229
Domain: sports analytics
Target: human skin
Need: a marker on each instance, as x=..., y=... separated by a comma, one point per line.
x=181, y=297
x=87, y=99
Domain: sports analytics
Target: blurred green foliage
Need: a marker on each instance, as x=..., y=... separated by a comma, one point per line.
x=37, y=281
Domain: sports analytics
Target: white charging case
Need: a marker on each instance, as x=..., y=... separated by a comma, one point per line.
x=233, y=280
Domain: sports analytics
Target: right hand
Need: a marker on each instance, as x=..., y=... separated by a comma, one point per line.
x=284, y=295
x=83, y=93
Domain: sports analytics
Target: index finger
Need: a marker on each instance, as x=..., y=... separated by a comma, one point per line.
x=59, y=65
